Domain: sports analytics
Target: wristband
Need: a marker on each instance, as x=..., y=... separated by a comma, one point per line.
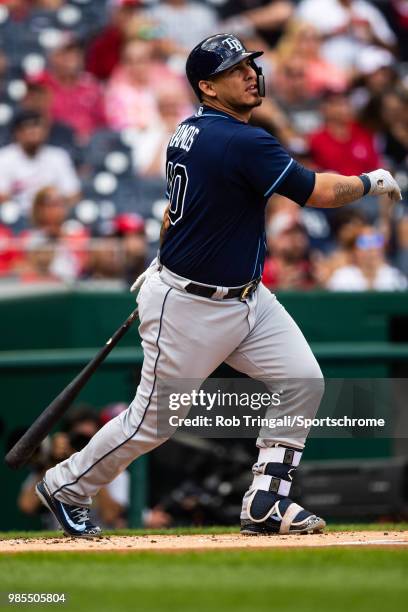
x=366, y=183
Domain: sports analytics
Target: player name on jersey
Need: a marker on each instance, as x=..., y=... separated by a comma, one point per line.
x=184, y=136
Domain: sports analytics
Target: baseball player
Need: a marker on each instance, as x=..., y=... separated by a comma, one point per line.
x=201, y=303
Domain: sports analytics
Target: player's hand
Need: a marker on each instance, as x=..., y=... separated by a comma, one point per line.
x=382, y=182
x=154, y=266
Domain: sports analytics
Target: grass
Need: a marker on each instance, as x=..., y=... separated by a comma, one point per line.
x=296, y=580
x=7, y=535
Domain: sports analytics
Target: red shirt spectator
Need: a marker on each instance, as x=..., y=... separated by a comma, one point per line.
x=350, y=156
x=77, y=105
x=18, y=9
x=77, y=97
x=297, y=276
x=8, y=254
x=104, y=53
x=401, y=9
x=342, y=145
x=105, y=50
x=288, y=265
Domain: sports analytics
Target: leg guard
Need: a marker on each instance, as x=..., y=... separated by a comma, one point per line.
x=267, y=506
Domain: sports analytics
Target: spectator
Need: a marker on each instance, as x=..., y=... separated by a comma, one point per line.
x=377, y=74
x=105, y=262
x=48, y=5
x=149, y=146
x=399, y=10
x=303, y=40
x=8, y=252
x=171, y=16
x=368, y=271
x=112, y=501
x=28, y=164
x=52, y=450
x=70, y=239
x=394, y=113
x=377, y=68
x=288, y=265
x=76, y=96
x=105, y=49
x=343, y=145
x=131, y=92
x=22, y=7
x=38, y=99
x=39, y=254
x=290, y=90
x=273, y=119
x=346, y=225
x=18, y=9
x=348, y=26
x=130, y=228
x=130, y=98
x=127, y=232
x=267, y=17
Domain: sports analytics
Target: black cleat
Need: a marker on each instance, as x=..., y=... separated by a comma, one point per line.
x=313, y=524
x=74, y=520
x=269, y=513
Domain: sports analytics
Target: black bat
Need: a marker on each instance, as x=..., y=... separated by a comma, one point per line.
x=35, y=434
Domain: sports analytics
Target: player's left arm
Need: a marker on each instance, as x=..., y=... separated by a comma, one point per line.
x=336, y=190
x=165, y=224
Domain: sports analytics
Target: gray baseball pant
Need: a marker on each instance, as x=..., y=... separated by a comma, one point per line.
x=187, y=337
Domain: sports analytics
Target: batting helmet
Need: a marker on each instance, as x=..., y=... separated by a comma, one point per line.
x=216, y=54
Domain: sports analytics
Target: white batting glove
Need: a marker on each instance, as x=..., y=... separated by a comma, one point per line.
x=154, y=266
x=382, y=182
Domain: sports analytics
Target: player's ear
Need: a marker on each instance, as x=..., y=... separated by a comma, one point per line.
x=207, y=88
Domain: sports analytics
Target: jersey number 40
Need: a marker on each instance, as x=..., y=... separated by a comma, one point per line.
x=177, y=181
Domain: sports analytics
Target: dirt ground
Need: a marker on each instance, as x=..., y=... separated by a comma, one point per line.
x=174, y=543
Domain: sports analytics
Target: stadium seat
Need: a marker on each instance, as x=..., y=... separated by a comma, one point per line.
x=12, y=217
x=122, y=192
x=98, y=152
x=152, y=196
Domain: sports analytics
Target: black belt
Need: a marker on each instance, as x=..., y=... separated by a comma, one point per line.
x=243, y=292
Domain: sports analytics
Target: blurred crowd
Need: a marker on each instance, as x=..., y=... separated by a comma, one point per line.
x=91, y=90
x=199, y=498
x=112, y=502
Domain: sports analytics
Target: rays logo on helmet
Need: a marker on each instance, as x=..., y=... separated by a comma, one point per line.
x=233, y=43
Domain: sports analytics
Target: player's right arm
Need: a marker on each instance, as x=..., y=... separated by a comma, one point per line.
x=335, y=190
x=268, y=167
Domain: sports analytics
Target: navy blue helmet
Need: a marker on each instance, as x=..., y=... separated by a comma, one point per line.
x=216, y=54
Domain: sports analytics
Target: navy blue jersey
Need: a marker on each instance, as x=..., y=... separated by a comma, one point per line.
x=220, y=174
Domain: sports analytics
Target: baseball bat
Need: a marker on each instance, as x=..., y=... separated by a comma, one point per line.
x=23, y=449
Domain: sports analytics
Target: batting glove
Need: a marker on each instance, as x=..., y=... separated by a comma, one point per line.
x=154, y=266
x=382, y=182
